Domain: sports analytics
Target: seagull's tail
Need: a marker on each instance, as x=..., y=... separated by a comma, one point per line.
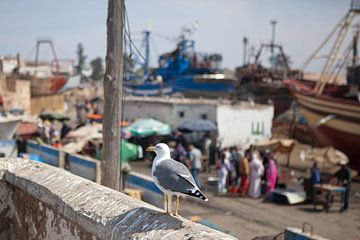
x=198, y=194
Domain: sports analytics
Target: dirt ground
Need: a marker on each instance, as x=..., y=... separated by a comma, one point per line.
x=247, y=218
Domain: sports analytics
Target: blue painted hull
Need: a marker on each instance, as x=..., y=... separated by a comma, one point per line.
x=186, y=85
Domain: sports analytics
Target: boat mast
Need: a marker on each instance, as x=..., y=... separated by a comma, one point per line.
x=245, y=42
x=342, y=27
x=354, y=47
x=147, y=52
x=273, y=23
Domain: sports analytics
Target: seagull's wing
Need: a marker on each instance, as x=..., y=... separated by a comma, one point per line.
x=175, y=177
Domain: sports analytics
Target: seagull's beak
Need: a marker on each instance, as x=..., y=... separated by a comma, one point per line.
x=150, y=149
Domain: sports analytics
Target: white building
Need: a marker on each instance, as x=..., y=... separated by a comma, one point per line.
x=8, y=64
x=239, y=123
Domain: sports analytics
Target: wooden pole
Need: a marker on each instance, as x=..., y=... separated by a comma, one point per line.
x=110, y=167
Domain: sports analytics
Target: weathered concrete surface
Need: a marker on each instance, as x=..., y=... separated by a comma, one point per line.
x=38, y=201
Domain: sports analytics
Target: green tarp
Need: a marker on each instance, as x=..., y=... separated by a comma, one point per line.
x=53, y=116
x=148, y=126
x=129, y=152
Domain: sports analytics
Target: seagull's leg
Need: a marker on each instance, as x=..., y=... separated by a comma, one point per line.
x=169, y=204
x=166, y=207
x=165, y=204
x=177, y=206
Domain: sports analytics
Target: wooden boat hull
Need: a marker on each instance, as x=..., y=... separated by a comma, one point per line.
x=343, y=131
x=47, y=86
x=265, y=93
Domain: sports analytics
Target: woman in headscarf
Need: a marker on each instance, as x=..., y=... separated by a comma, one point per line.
x=256, y=171
x=222, y=167
x=244, y=173
x=271, y=175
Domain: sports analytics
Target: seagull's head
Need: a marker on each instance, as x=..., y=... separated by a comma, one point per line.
x=161, y=149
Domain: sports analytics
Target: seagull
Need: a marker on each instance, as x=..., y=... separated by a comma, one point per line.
x=172, y=177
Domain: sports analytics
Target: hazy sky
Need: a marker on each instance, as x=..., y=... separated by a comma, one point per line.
x=302, y=25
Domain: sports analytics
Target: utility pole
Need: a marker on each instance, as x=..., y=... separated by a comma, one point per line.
x=113, y=78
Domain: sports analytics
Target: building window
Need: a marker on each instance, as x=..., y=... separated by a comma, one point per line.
x=204, y=116
x=257, y=128
x=182, y=114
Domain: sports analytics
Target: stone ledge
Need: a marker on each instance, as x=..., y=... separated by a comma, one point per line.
x=99, y=211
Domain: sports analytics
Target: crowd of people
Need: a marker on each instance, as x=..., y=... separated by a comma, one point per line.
x=249, y=175
x=48, y=133
x=52, y=131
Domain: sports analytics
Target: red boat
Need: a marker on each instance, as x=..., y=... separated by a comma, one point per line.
x=46, y=77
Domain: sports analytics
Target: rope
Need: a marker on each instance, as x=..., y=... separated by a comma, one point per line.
x=171, y=39
x=133, y=45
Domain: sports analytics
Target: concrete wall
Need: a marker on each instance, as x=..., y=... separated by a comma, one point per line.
x=60, y=205
x=2, y=83
x=90, y=169
x=160, y=111
x=244, y=125
x=167, y=111
x=16, y=93
x=22, y=100
x=48, y=103
x=26, y=217
x=193, y=111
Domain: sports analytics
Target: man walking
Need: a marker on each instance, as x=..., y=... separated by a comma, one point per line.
x=195, y=163
x=315, y=179
x=343, y=176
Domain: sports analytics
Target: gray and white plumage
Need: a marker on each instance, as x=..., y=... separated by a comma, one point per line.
x=173, y=177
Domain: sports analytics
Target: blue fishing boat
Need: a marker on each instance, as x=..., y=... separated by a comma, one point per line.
x=184, y=72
